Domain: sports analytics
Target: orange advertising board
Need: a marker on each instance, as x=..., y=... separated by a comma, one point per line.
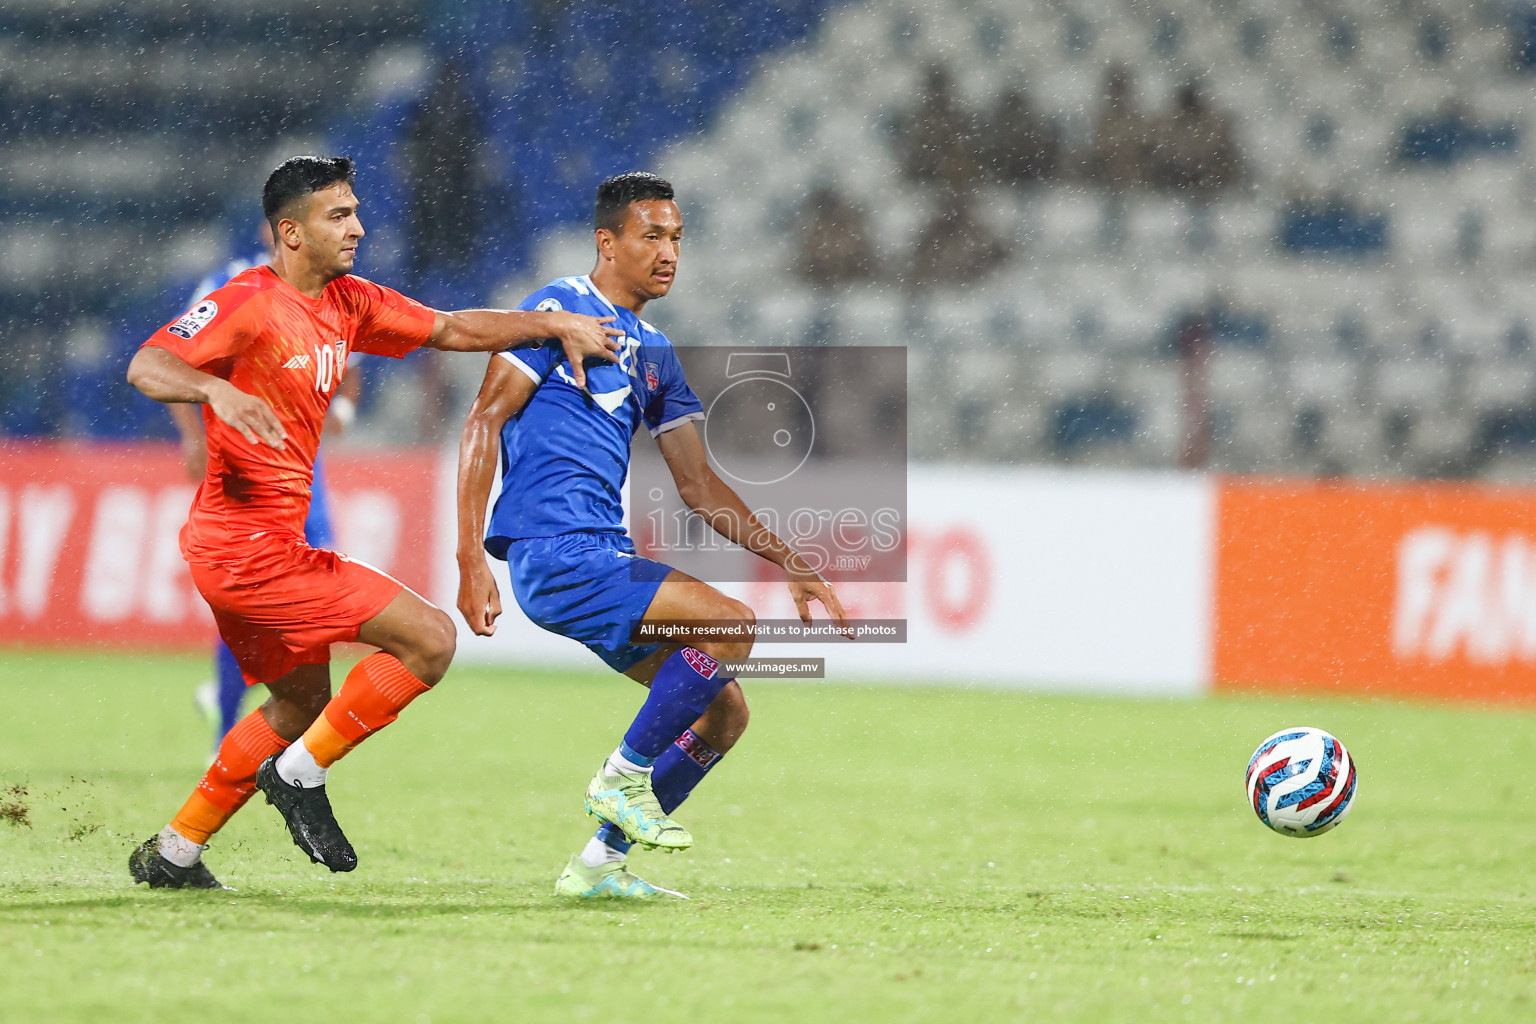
x=1403, y=590
x=88, y=538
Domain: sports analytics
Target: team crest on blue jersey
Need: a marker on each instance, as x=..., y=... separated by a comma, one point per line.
x=652, y=376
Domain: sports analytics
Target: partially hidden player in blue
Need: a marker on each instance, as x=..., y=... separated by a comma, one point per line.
x=558, y=523
x=220, y=700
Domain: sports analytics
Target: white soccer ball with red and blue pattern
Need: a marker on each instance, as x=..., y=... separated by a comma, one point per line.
x=1301, y=782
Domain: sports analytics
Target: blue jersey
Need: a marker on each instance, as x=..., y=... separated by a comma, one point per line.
x=564, y=458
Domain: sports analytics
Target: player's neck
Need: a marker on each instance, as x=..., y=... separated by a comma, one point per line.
x=301, y=275
x=615, y=292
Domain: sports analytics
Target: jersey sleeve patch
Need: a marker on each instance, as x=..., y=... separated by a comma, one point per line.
x=194, y=319
x=221, y=325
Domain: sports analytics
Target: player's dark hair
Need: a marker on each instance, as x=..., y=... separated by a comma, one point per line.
x=299, y=176
x=615, y=194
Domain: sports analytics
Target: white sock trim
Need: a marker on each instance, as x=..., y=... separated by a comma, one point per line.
x=619, y=763
x=178, y=849
x=597, y=853
x=296, y=766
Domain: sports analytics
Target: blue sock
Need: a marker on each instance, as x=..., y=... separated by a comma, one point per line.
x=612, y=835
x=680, y=767
x=684, y=686
x=231, y=690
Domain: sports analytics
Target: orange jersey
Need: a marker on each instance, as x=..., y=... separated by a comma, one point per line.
x=270, y=340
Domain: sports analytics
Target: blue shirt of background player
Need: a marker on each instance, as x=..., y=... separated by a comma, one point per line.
x=561, y=477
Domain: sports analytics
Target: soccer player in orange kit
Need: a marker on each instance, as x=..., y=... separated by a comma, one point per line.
x=264, y=355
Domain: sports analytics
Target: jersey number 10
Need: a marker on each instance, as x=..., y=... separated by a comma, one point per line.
x=330, y=365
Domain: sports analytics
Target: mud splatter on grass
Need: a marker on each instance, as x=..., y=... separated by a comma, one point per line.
x=13, y=806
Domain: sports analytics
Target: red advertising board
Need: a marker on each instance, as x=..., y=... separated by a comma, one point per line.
x=88, y=538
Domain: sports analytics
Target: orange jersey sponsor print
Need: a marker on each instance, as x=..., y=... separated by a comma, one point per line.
x=270, y=340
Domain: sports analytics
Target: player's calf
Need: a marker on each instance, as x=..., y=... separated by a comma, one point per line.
x=296, y=700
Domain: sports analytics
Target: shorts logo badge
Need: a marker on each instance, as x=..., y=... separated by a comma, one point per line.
x=194, y=319
x=298, y=362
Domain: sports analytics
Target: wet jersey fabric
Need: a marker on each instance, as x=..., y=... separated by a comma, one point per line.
x=565, y=456
x=317, y=526
x=270, y=340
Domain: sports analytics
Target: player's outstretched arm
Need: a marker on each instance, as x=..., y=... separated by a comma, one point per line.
x=704, y=492
x=492, y=330
x=166, y=377
x=502, y=395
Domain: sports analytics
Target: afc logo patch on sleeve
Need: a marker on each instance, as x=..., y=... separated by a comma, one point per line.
x=195, y=319
x=549, y=305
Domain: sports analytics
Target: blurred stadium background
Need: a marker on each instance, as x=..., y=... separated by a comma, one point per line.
x=1222, y=376
x=1115, y=236
x=1061, y=207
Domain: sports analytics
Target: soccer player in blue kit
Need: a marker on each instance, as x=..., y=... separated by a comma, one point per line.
x=558, y=523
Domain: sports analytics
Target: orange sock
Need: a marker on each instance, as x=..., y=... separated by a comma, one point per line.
x=231, y=781
x=375, y=692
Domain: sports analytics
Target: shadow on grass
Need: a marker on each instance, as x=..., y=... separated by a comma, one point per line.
x=360, y=907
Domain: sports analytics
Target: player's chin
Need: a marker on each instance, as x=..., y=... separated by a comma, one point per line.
x=659, y=286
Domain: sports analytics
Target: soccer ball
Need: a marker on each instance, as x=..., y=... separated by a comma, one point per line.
x=1301, y=782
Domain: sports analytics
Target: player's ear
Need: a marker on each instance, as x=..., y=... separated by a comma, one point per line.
x=605, y=240
x=288, y=233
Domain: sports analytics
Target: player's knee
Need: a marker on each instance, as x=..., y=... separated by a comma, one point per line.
x=436, y=643
x=735, y=612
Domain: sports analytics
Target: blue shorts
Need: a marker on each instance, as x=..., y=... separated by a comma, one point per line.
x=591, y=587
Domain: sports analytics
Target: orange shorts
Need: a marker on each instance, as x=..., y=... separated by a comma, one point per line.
x=284, y=603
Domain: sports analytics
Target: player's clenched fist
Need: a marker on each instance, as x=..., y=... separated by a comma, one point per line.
x=249, y=415
x=479, y=600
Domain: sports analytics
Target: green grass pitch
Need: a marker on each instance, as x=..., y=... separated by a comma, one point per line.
x=867, y=854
